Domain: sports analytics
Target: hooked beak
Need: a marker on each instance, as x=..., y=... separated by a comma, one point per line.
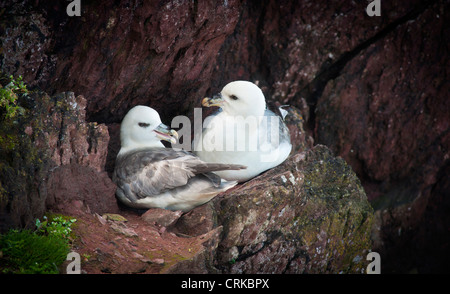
x=216, y=100
x=163, y=132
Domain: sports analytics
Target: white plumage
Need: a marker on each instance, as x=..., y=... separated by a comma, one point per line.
x=242, y=132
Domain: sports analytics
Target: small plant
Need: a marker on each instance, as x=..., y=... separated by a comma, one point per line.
x=9, y=99
x=57, y=227
x=86, y=256
x=39, y=251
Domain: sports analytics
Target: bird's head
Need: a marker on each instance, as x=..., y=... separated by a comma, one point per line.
x=239, y=98
x=142, y=128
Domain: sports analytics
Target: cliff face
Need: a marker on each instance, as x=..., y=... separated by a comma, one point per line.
x=372, y=89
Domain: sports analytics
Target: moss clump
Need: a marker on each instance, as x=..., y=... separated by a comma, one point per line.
x=36, y=252
x=330, y=177
x=331, y=185
x=26, y=252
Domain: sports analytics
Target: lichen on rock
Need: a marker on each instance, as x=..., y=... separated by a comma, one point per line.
x=310, y=214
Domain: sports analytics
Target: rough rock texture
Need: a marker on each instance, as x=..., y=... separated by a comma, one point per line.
x=387, y=114
x=131, y=52
x=53, y=159
x=292, y=47
x=161, y=217
x=79, y=151
x=73, y=187
x=310, y=214
x=386, y=88
x=136, y=246
x=26, y=42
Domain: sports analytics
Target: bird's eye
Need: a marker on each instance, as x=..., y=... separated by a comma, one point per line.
x=144, y=125
x=234, y=97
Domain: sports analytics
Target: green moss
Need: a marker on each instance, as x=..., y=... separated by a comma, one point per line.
x=37, y=252
x=26, y=252
x=331, y=185
x=335, y=220
x=170, y=258
x=114, y=217
x=329, y=177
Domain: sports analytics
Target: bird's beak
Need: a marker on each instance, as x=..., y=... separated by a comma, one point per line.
x=163, y=132
x=216, y=100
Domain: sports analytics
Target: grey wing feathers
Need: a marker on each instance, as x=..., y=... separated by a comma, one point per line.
x=151, y=172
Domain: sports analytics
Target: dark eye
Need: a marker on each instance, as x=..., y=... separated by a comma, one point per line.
x=234, y=97
x=144, y=125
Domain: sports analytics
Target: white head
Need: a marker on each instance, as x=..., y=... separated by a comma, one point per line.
x=239, y=98
x=142, y=128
